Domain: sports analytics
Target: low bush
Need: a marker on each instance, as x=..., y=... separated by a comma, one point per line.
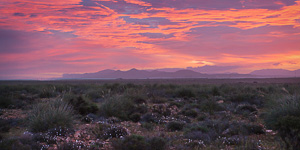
x=157, y=143
x=135, y=117
x=195, y=127
x=5, y=101
x=82, y=104
x=148, y=126
x=185, y=93
x=201, y=117
x=210, y=106
x=48, y=92
x=122, y=107
x=161, y=109
x=6, y=124
x=215, y=91
x=283, y=115
x=25, y=142
x=132, y=142
x=150, y=118
x=175, y=126
x=247, y=98
x=242, y=128
x=215, y=125
x=245, y=109
x=138, y=142
x=117, y=106
x=50, y=114
x=190, y=113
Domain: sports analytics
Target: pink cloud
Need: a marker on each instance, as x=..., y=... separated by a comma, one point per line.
x=54, y=37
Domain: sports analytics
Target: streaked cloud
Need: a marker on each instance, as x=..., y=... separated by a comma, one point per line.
x=90, y=35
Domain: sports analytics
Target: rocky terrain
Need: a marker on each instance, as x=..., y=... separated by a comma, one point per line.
x=56, y=115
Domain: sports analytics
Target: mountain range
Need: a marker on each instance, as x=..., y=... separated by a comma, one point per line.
x=276, y=73
x=179, y=73
x=144, y=74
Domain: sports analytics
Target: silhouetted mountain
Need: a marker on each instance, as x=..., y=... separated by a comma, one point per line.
x=276, y=73
x=169, y=69
x=213, y=69
x=143, y=74
x=204, y=69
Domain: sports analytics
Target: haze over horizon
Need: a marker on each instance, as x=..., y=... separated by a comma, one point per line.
x=48, y=38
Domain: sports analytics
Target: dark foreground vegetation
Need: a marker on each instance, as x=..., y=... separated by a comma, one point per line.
x=127, y=116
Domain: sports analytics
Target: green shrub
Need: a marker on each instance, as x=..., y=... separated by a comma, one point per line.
x=48, y=92
x=201, y=117
x=244, y=108
x=242, y=128
x=7, y=124
x=215, y=91
x=135, y=117
x=175, y=126
x=50, y=114
x=94, y=93
x=117, y=106
x=150, y=118
x=123, y=107
x=157, y=143
x=185, y=93
x=251, y=98
x=24, y=142
x=195, y=127
x=81, y=104
x=210, y=106
x=5, y=102
x=132, y=142
x=191, y=113
x=284, y=116
x=148, y=126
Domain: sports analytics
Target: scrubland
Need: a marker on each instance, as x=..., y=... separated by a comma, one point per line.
x=149, y=116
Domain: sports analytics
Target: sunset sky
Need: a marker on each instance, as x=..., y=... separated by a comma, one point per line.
x=42, y=39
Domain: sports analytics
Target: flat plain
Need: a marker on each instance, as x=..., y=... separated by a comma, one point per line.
x=158, y=114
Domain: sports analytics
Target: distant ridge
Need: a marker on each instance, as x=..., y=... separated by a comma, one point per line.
x=276, y=73
x=144, y=74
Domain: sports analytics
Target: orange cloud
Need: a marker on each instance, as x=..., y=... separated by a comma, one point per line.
x=101, y=33
x=138, y=2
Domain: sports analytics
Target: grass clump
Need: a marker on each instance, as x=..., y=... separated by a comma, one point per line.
x=284, y=116
x=50, y=114
x=48, y=92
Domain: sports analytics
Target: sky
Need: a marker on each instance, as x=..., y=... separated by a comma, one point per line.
x=42, y=39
